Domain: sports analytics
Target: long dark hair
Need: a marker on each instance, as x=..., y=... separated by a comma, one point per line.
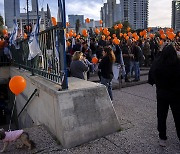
x=168, y=55
x=110, y=53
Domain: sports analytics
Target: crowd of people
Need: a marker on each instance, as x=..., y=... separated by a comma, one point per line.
x=129, y=54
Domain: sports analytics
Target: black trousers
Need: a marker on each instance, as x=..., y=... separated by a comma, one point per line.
x=163, y=105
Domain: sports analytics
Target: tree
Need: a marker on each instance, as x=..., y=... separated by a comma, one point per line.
x=1, y=25
x=77, y=26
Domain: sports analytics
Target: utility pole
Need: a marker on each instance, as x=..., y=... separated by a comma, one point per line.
x=28, y=17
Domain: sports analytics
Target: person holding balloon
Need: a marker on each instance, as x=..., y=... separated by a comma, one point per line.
x=106, y=69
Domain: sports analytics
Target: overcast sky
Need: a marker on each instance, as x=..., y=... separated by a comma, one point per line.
x=159, y=10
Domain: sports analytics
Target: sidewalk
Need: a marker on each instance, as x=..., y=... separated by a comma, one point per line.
x=136, y=109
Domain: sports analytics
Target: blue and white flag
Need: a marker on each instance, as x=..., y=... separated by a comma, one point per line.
x=122, y=64
x=34, y=48
x=57, y=47
x=12, y=39
x=73, y=42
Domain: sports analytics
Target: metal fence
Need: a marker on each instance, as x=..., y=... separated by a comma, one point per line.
x=46, y=64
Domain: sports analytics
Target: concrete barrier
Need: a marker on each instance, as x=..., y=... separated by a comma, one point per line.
x=80, y=114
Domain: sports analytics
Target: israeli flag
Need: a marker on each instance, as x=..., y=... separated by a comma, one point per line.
x=57, y=47
x=12, y=39
x=122, y=64
x=34, y=48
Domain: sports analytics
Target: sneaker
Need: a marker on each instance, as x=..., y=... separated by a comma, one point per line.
x=162, y=143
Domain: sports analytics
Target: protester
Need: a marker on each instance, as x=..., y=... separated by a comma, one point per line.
x=147, y=53
x=137, y=56
x=78, y=68
x=165, y=74
x=127, y=56
x=105, y=67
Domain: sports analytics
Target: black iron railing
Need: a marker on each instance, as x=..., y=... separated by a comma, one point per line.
x=46, y=64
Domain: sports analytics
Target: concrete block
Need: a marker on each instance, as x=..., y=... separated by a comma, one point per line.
x=75, y=116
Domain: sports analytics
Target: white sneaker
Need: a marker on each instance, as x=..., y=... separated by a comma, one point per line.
x=162, y=143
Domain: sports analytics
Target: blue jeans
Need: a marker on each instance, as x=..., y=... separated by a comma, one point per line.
x=137, y=70
x=108, y=84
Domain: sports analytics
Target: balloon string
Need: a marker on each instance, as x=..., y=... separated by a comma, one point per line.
x=12, y=114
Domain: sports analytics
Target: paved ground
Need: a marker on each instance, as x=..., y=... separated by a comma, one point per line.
x=136, y=109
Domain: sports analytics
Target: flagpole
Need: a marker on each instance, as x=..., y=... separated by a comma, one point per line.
x=37, y=9
x=28, y=17
x=62, y=24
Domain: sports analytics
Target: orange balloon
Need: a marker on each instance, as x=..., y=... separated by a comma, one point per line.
x=107, y=33
x=145, y=36
x=115, y=27
x=103, y=37
x=5, y=32
x=121, y=34
x=134, y=34
x=144, y=32
x=171, y=35
x=97, y=31
x=53, y=19
x=17, y=84
x=78, y=37
x=161, y=31
x=129, y=34
x=94, y=60
x=101, y=29
x=67, y=35
x=136, y=38
x=114, y=35
x=2, y=44
x=151, y=35
x=127, y=38
x=116, y=41
x=171, y=30
x=70, y=34
x=163, y=36
x=25, y=36
x=128, y=29
x=109, y=37
x=120, y=26
x=87, y=20
x=125, y=35
x=161, y=42
x=67, y=24
x=74, y=34
x=141, y=34
x=149, y=29
x=100, y=21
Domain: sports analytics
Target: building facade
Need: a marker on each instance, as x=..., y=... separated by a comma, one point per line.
x=135, y=12
x=73, y=18
x=10, y=11
x=176, y=15
x=22, y=17
x=110, y=13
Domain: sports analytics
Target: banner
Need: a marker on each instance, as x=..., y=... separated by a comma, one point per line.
x=34, y=48
x=12, y=39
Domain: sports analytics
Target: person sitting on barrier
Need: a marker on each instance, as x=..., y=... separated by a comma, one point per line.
x=105, y=67
x=165, y=74
x=78, y=68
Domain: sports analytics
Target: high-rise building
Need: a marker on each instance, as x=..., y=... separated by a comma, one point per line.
x=135, y=12
x=104, y=14
x=110, y=13
x=176, y=15
x=73, y=19
x=10, y=11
